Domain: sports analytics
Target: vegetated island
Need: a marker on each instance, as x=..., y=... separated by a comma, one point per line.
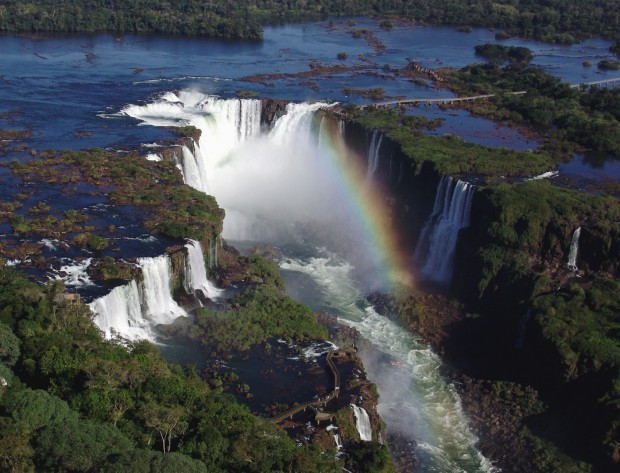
x=564, y=21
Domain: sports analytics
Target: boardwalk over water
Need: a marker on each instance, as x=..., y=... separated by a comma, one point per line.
x=322, y=401
x=613, y=82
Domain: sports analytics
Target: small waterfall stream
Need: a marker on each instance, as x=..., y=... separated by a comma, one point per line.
x=362, y=423
x=373, y=153
x=451, y=210
x=195, y=279
x=193, y=169
x=573, y=251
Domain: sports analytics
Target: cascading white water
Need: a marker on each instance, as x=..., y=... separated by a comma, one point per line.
x=193, y=169
x=242, y=114
x=337, y=442
x=133, y=310
x=451, y=210
x=196, y=273
x=156, y=287
x=414, y=399
x=120, y=312
x=362, y=423
x=268, y=181
x=74, y=274
x=574, y=249
x=373, y=153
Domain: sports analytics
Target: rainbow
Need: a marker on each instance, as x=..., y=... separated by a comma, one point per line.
x=367, y=200
x=236, y=121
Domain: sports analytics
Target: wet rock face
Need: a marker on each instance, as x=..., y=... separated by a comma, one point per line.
x=271, y=110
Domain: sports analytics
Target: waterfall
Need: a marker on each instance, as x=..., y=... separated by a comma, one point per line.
x=574, y=249
x=338, y=442
x=212, y=253
x=295, y=124
x=133, y=310
x=283, y=182
x=156, y=287
x=193, y=169
x=120, y=311
x=295, y=174
x=362, y=423
x=373, y=153
x=195, y=280
x=435, y=249
x=243, y=115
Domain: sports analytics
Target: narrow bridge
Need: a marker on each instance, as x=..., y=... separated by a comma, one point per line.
x=613, y=82
x=322, y=401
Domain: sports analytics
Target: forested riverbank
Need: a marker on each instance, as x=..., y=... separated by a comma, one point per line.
x=564, y=21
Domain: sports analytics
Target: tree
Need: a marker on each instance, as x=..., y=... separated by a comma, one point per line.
x=37, y=408
x=15, y=451
x=79, y=445
x=167, y=421
x=146, y=461
x=9, y=346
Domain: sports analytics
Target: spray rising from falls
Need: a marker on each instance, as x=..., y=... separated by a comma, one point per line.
x=574, y=250
x=362, y=423
x=133, y=310
x=435, y=250
x=300, y=176
x=297, y=177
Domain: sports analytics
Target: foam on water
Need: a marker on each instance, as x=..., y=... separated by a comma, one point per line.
x=50, y=244
x=74, y=274
x=415, y=399
x=544, y=175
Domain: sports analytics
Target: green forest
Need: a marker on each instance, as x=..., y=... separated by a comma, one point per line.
x=563, y=21
x=569, y=117
x=71, y=401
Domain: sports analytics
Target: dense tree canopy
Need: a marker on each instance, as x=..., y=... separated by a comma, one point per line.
x=552, y=20
x=79, y=403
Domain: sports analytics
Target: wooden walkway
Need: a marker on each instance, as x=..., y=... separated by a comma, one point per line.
x=320, y=402
x=613, y=82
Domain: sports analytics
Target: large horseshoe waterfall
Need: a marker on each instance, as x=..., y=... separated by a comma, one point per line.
x=293, y=183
